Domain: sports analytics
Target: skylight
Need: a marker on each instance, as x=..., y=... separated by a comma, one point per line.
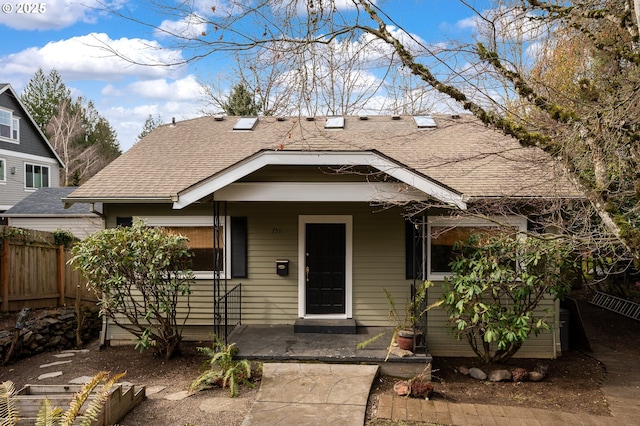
x=424, y=121
x=334, y=123
x=246, y=123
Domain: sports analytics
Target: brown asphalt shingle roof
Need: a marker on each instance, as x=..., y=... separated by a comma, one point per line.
x=460, y=153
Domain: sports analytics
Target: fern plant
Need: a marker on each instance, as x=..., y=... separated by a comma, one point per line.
x=221, y=369
x=8, y=410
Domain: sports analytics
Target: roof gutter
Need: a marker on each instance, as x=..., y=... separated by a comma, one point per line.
x=69, y=201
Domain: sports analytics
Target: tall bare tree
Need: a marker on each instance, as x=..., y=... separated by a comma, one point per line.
x=65, y=127
x=594, y=134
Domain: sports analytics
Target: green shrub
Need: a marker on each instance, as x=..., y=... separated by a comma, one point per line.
x=497, y=283
x=139, y=274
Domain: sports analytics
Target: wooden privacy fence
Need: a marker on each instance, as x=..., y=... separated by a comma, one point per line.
x=34, y=272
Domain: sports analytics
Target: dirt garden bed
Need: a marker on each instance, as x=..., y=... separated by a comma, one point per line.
x=573, y=382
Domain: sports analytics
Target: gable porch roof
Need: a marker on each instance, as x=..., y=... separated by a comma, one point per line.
x=350, y=192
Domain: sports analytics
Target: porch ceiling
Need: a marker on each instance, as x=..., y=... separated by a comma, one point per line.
x=411, y=186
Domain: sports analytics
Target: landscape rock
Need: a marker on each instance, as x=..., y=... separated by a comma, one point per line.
x=402, y=353
x=46, y=333
x=542, y=369
x=519, y=374
x=50, y=375
x=477, y=374
x=423, y=390
x=499, y=376
x=536, y=376
x=402, y=388
x=463, y=370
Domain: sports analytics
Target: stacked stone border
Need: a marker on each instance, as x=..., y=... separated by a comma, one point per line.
x=48, y=330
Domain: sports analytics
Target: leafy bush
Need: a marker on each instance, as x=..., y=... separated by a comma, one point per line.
x=221, y=369
x=139, y=273
x=498, y=281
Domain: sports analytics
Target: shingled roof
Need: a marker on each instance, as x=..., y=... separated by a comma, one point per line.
x=459, y=153
x=47, y=202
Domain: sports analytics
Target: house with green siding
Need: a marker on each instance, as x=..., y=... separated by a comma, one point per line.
x=314, y=216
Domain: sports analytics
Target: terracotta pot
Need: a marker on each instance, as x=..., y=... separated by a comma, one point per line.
x=404, y=339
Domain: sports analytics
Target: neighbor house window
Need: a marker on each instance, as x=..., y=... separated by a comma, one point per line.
x=9, y=125
x=211, y=242
x=36, y=176
x=3, y=170
x=444, y=233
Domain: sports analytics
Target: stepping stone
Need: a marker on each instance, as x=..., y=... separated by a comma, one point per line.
x=64, y=355
x=76, y=351
x=153, y=390
x=50, y=375
x=55, y=363
x=178, y=396
x=80, y=380
x=215, y=405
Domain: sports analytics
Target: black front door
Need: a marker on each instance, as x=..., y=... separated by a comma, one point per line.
x=325, y=268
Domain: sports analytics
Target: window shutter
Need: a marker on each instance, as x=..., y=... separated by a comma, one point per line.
x=239, y=247
x=124, y=221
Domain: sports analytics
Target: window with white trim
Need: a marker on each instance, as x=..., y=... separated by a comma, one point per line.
x=36, y=176
x=3, y=170
x=209, y=244
x=443, y=233
x=9, y=125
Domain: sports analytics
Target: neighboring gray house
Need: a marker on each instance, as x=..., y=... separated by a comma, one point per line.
x=44, y=210
x=308, y=214
x=27, y=159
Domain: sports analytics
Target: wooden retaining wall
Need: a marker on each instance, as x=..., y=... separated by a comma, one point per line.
x=34, y=272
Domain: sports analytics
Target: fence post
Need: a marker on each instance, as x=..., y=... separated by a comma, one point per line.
x=4, y=274
x=60, y=275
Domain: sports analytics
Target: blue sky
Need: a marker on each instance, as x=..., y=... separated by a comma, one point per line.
x=67, y=35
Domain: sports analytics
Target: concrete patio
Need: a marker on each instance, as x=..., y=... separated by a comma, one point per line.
x=279, y=343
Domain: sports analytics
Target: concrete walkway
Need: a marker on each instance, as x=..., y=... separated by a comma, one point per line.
x=312, y=394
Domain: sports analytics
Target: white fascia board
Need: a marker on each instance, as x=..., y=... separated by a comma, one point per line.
x=29, y=157
x=318, y=191
x=325, y=158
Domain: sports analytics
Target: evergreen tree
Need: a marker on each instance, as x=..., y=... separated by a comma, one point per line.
x=84, y=139
x=150, y=124
x=43, y=95
x=241, y=102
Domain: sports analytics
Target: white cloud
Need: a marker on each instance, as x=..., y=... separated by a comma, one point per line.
x=52, y=14
x=128, y=122
x=189, y=27
x=93, y=57
x=181, y=99
x=186, y=89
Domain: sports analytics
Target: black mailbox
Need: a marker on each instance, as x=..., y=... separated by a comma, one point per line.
x=282, y=267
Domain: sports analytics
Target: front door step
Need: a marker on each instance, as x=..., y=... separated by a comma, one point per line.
x=325, y=326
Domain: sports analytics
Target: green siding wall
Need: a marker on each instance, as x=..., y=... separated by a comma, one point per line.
x=378, y=262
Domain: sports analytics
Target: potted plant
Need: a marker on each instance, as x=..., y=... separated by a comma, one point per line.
x=404, y=330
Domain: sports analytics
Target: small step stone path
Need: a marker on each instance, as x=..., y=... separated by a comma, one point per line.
x=209, y=405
